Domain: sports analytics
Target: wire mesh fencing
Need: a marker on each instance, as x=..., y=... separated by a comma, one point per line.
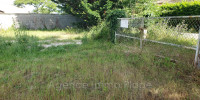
x=174, y=37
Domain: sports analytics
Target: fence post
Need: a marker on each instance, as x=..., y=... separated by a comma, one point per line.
x=196, y=61
x=141, y=33
x=115, y=38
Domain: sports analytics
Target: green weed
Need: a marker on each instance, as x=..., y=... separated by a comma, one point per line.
x=60, y=72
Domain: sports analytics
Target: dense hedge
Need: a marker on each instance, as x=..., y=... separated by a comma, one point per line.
x=181, y=8
x=106, y=29
x=113, y=22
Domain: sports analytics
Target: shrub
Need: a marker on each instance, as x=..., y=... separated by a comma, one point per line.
x=25, y=43
x=3, y=44
x=101, y=31
x=91, y=11
x=113, y=22
x=106, y=29
x=160, y=31
x=180, y=8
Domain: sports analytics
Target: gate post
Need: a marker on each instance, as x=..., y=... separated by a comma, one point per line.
x=197, y=55
x=141, y=33
x=115, y=37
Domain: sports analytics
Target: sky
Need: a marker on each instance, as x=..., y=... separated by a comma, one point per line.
x=8, y=7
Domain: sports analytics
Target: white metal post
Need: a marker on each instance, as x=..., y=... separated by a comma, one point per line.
x=141, y=42
x=196, y=61
x=141, y=33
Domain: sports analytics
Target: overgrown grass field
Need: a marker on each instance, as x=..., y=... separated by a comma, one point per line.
x=94, y=70
x=71, y=33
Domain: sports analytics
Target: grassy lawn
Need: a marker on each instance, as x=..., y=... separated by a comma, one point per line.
x=46, y=34
x=94, y=70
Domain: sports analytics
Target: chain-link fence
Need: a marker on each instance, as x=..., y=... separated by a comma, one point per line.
x=174, y=37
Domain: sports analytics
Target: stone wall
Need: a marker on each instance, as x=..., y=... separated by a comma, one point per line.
x=37, y=21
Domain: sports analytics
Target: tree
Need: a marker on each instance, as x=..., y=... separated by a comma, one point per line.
x=140, y=8
x=41, y=6
x=91, y=11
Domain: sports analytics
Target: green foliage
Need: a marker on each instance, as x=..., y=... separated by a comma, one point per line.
x=91, y=11
x=22, y=44
x=114, y=22
x=50, y=74
x=27, y=43
x=160, y=31
x=140, y=8
x=3, y=44
x=181, y=8
x=93, y=17
x=46, y=74
x=101, y=31
x=41, y=6
x=106, y=29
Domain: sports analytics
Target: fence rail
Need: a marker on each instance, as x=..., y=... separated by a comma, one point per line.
x=178, y=31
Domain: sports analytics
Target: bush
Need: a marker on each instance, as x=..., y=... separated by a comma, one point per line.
x=23, y=44
x=160, y=31
x=102, y=31
x=3, y=44
x=90, y=11
x=26, y=43
x=106, y=29
x=181, y=9
x=113, y=22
